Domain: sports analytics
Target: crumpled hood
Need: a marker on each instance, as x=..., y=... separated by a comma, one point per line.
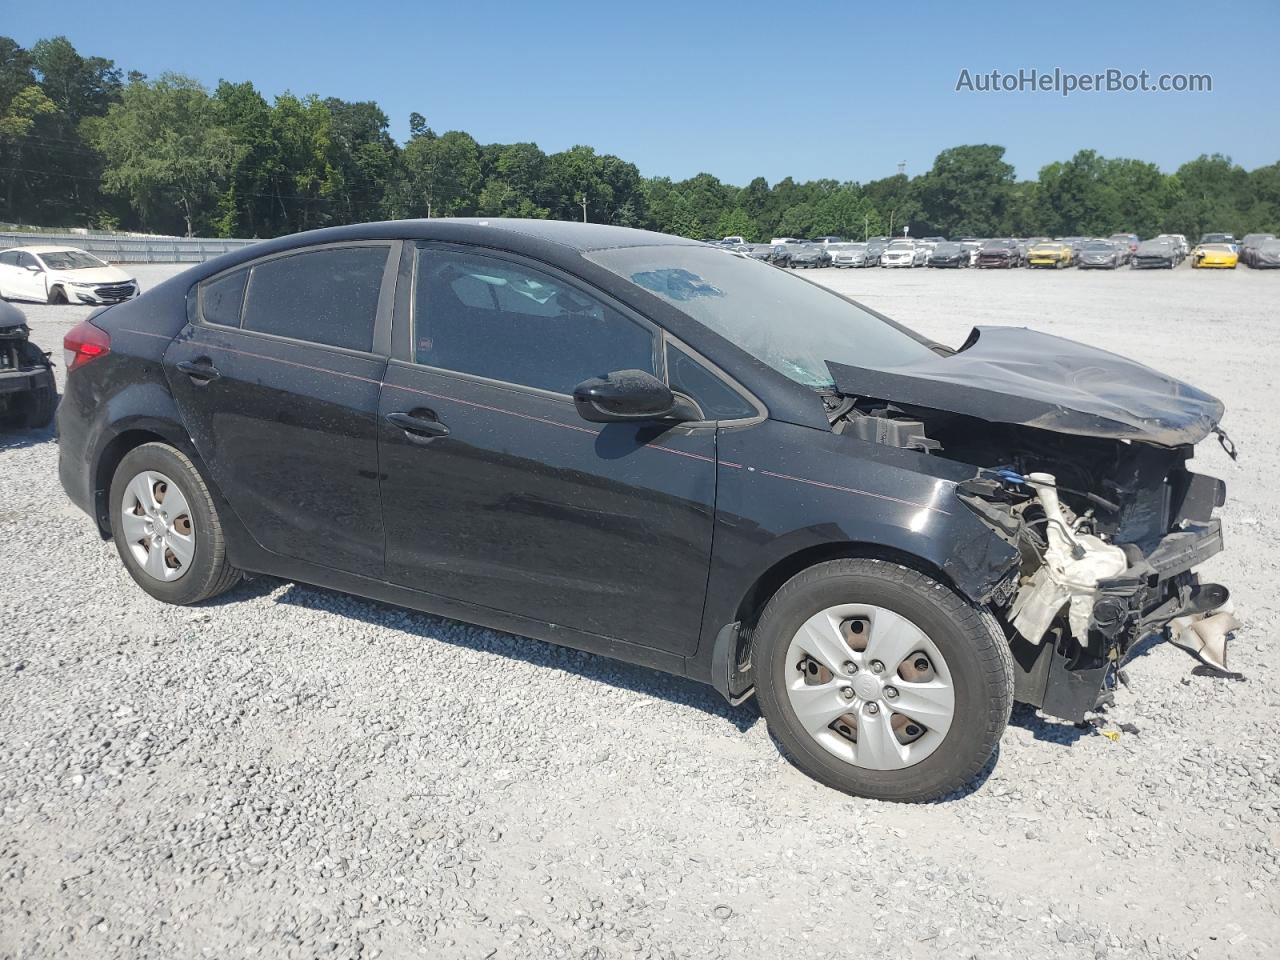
x=1015, y=375
x=10, y=316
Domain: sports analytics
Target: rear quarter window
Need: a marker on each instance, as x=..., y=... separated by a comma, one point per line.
x=222, y=298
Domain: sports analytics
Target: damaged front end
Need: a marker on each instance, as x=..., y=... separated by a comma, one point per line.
x=1082, y=457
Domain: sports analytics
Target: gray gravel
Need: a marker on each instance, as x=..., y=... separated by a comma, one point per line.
x=290, y=772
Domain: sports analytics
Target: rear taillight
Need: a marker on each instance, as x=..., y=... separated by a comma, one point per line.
x=85, y=342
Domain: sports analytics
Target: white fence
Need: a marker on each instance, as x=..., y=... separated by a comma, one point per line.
x=120, y=248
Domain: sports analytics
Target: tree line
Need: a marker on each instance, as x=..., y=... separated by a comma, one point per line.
x=82, y=143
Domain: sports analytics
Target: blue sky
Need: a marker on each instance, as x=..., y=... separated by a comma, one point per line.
x=844, y=89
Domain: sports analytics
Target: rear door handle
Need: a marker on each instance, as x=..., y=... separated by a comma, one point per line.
x=418, y=429
x=202, y=370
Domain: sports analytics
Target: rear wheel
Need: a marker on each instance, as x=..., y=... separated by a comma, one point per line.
x=166, y=527
x=880, y=681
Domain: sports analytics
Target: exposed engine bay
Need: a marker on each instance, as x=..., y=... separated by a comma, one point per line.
x=1092, y=488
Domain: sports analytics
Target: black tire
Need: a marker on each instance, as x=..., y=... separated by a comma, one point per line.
x=210, y=573
x=57, y=296
x=971, y=642
x=34, y=409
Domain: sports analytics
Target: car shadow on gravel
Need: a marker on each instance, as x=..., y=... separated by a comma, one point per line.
x=615, y=673
x=20, y=439
x=1044, y=729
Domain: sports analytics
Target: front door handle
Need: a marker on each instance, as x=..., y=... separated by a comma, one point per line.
x=418, y=429
x=201, y=370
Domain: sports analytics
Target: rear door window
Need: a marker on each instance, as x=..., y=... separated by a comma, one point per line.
x=327, y=296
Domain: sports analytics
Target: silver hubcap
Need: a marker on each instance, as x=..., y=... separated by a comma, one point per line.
x=157, y=526
x=869, y=686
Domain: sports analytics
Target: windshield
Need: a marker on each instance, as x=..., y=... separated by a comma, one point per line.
x=902, y=245
x=1098, y=246
x=1270, y=246
x=1217, y=247
x=788, y=323
x=70, y=260
x=947, y=248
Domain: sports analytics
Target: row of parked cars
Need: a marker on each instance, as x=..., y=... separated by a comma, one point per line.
x=1166, y=251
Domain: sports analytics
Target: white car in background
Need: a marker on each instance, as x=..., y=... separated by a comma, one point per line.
x=900, y=253
x=62, y=275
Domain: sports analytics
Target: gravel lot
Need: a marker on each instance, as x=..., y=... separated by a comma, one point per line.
x=290, y=772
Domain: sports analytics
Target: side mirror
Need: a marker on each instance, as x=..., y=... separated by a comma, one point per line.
x=625, y=396
x=33, y=268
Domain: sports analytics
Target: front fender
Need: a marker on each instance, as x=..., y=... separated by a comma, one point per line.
x=785, y=491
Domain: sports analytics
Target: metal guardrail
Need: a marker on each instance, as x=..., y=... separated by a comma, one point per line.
x=126, y=249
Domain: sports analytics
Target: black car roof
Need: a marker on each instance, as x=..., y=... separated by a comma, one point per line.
x=543, y=239
x=581, y=237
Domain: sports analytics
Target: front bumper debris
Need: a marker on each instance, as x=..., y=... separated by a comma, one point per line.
x=1157, y=594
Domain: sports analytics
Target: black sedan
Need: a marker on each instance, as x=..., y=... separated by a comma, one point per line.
x=28, y=394
x=949, y=255
x=1151, y=254
x=1265, y=255
x=808, y=255
x=638, y=445
x=999, y=253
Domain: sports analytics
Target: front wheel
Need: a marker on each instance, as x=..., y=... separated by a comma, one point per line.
x=166, y=528
x=34, y=409
x=880, y=681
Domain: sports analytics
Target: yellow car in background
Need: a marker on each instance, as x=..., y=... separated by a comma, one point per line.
x=1220, y=255
x=1053, y=255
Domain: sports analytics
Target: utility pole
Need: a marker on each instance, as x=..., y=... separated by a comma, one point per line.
x=866, y=227
x=583, y=201
x=902, y=167
x=891, y=213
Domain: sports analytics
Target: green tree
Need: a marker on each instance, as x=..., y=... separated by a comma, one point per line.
x=1213, y=196
x=966, y=192
x=246, y=207
x=300, y=128
x=442, y=175
x=513, y=187
x=360, y=158
x=165, y=150
x=736, y=223
x=1075, y=198
x=843, y=212
x=896, y=200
